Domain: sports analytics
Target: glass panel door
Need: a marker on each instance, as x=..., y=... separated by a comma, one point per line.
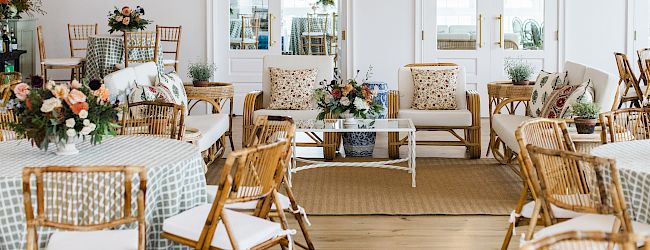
x=523, y=25
x=456, y=25
x=249, y=24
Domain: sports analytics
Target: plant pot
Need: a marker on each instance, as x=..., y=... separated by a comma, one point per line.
x=350, y=120
x=65, y=148
x=524, y=82
x=359, y=144
x=585, y=126
x=201, y=83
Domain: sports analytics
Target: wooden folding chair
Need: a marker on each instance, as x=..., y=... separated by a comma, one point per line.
x=249, y=175
x=143, y=43
x=580, y=183
x=625, y=125
x=156, y=119
x=546, y=133
x=581, y=240
x=628, y=81
x=74, y=64
x=7, y=116
x=170, y=35
x=67, y=198
x=643, y=56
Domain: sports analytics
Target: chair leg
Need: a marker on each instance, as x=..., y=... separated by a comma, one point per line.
x=393, y=145
x=523, y=197
x=331, y=142
x=298, y=216
x=474, y=136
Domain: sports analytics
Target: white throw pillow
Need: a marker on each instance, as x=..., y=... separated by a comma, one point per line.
x=174, y=83
x=544, y=85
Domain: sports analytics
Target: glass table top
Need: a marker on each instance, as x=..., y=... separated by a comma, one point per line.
x=339, y=125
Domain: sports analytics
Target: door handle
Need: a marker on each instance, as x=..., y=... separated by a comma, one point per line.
x=500, y=18
x=271, y=41
x=480, y=31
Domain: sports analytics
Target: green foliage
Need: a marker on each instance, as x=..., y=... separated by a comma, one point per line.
x=586, y=110
x=127, y=19
x=518, y=70
x=201, y=71
x=326, y=2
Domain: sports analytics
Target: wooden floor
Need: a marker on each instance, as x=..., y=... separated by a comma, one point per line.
x=405, y=232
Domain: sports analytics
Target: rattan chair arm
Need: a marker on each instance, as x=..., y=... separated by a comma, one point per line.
x=393, y=104
x=501, y=105
x=252, y=102
x=474, y=106
x=204, y=99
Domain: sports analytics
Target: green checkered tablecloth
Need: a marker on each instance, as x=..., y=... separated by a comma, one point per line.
x=106, y=51
x=298, y=27
x=175, y=172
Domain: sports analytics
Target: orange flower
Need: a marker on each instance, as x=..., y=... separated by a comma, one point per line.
x=76, y=96
x=61, y=91
x=126, y=10
x=102, y=93
x=78, y=107
x=347, y=89
x=5, y=1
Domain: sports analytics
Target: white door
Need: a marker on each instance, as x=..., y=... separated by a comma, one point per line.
x=456, y=31
x=640, y=30
x=269, y=27
x=482, y=36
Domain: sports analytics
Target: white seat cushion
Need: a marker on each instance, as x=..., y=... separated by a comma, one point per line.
x=248, y=231
x=251, y=205
x=505, y=125
x=297, y=115
x=62, y=61
x=97, y=240
x=212, y=127
x=527, y=211
x=588, y=222
x=453, y=118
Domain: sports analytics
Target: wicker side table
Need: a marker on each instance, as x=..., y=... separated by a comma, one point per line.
x=218, y=94
x=503, y=96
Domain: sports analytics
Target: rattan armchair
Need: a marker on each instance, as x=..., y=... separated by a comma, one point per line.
x=466, y=118
x=547, y=133
x=581, y=240
x=625, y=125
x=67, y=199
x=249, y=175
x=580, y=183
x=165, y=120
x=257, y=102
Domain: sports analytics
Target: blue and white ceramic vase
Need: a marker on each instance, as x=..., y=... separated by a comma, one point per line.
x=362, y=144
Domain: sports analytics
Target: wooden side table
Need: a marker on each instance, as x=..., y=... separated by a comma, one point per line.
x=217, y=95
x=505, y=96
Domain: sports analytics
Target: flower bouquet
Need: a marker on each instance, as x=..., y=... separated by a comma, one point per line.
x=15, y=8
x=347, y=99
x=127, y=19
x=61, y=113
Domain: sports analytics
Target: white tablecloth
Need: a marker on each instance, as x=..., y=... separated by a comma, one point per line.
x=175, y=172
x=633, y=162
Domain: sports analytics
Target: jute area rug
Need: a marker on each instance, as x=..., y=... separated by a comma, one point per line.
x=444, y=187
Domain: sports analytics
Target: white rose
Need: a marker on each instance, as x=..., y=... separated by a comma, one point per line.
x=83, y=114
x=360, y=104
x=50, y=104
x=92, y=127
x=71, y=133
x=345, y=101
x=86, y=122
x=75, y=84
x=86, y=130
x=50, y=85
x=70, y=123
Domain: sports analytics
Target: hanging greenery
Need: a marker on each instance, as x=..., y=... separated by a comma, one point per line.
x=326, y=2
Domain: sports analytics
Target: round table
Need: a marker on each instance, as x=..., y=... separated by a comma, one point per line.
x=175, y=173
x=633, y=163
x=107, y=51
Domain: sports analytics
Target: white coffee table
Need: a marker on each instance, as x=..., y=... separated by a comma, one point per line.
x=337, y=126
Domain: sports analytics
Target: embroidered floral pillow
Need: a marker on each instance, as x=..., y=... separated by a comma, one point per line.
x=434, y=89
x=559, y=102
x=174, y=84
x=150, y=93
x=544, y=85
x=292, y=89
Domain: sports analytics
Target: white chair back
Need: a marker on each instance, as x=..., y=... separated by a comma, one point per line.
x=604, y=83
x=323, y=64
x=406, y=86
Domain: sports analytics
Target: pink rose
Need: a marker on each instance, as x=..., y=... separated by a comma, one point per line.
x=102, y=93
x=76, y=96
x=126, y=10
x=75, y=84
x=126, y=20
x=22, y=91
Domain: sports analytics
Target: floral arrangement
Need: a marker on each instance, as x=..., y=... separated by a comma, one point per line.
x=127, y=19
x=61, y=112
x=14, y=8
x=348, y=96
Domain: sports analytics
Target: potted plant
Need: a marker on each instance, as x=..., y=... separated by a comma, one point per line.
x=585, y=114
x=201, y=73
x=519, y=71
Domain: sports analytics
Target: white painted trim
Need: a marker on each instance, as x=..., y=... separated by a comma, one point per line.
x=209, y=32
x=418, y=30
x=561, y=25
x=629, y=29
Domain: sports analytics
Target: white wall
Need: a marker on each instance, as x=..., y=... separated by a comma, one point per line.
x=383, y=36
x=595, y=32
x=190, y=14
